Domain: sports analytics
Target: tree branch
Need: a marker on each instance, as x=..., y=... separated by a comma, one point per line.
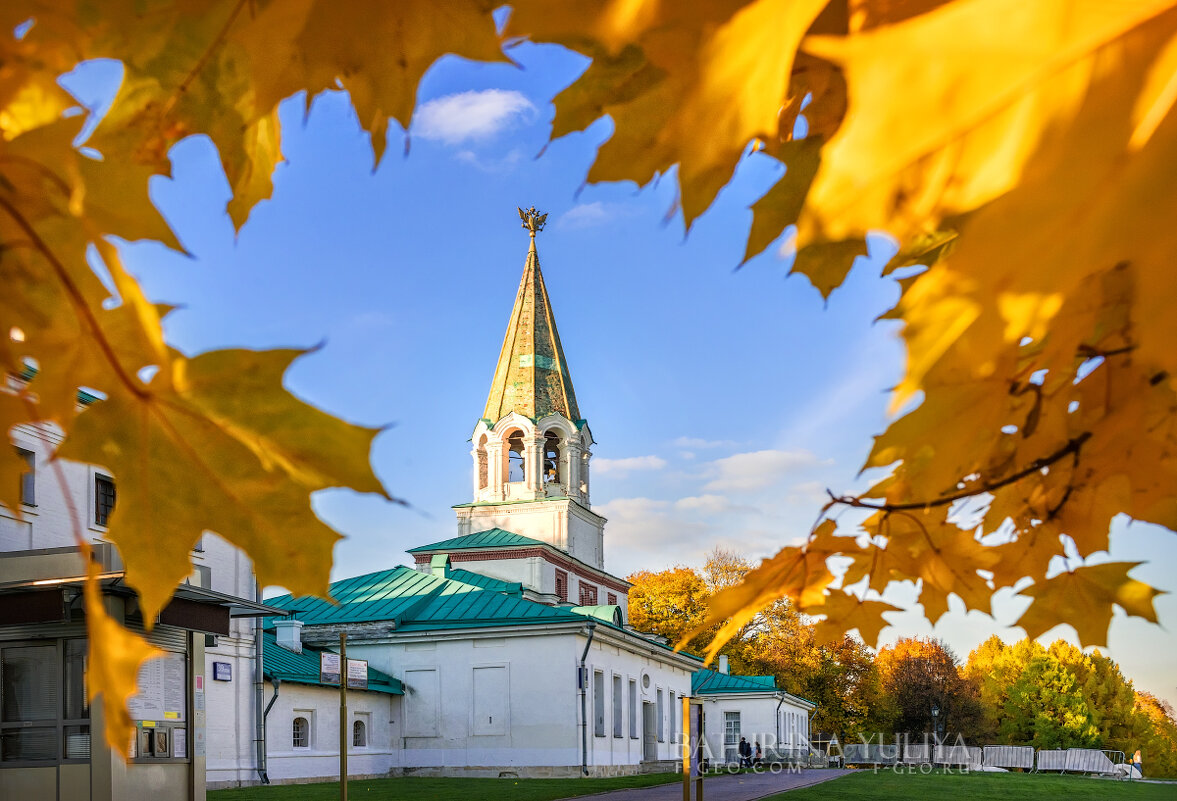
x=1071, y=448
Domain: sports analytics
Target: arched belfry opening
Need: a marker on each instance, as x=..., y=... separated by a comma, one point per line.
x=553, y=461
x=516, y=457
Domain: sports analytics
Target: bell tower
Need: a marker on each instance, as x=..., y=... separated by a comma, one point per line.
x=531, y=448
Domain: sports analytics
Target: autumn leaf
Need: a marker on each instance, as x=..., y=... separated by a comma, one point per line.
x=667, y=71
x=1083, y=598
x=792, y=572
x=113, y=667
x=214, y=444
x=843, y=612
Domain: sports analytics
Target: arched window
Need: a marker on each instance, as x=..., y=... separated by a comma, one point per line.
x=515, y=466
x=552, y=458
x=482, y=471
x=302, y=733
x=359, y=734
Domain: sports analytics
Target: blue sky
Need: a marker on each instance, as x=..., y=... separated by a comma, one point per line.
x=724, y=402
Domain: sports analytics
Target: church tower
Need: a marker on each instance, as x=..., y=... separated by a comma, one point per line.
x=531, y=446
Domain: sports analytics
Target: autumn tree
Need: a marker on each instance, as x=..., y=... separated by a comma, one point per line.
x=1035, y=297
x=919, y=674
x=1159, y=743
x=838, y=675
x=669, y=603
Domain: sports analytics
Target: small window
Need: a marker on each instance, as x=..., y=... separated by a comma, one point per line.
x=588, y=594
x=633, y=709
x=301, y=734
x=359, y=734
x=673, y=719
x=28, y=479
x=104, y=498
x=562, y=585
x=618, y=729
x=661, y=719
x=598, y=703
x=612, y=599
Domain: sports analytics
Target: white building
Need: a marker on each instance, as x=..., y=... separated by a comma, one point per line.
x=51, y=743
x=753, y=708
x=503, y=651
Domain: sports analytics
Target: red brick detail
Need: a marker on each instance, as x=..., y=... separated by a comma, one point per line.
x=526, y=553
x=562, y=585
x=588, y=594
x=612, y=599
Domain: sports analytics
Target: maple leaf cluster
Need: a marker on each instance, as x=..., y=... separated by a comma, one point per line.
x=1019, y=153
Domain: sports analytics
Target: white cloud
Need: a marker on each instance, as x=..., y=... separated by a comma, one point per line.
x=621, y=467
x=493, y=166
x=471, y=115
x=699, y=444
x=585, y=215
x=703, y=504
x=744, y=472
x=809, y=492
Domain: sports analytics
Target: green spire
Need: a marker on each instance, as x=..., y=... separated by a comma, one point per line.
x=532, y=376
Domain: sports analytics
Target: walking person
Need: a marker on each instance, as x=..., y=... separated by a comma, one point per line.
x=759, y=754
x=745, y=754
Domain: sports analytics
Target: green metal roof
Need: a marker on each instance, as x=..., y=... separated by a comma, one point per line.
x=279, y=663
x=485, y=582
x=710, y=682
x=411, y=600
x=492, y=538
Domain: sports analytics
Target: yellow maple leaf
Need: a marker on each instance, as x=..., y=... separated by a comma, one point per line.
x=112, y=673
x=972, y=111
x=214, y=444
x=843, y=612
x=1084, y=597
x=666, y=72
x=793, y=572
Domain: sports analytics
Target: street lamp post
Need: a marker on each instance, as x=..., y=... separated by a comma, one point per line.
x=935, y=723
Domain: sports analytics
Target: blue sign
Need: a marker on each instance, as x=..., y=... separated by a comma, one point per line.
x=222, y=671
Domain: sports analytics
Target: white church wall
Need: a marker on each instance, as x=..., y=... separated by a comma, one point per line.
x=287, y=762
x=655, y=673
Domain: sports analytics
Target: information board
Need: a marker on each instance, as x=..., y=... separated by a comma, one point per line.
x=357, y=674
x=329, y=667
x=162, y=690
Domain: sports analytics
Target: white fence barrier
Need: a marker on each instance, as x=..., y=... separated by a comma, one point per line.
x=1052, y=760
x=1009, y=756
x=1090, y=760
x=917, y=754
x=870, y=754
x=965, y=756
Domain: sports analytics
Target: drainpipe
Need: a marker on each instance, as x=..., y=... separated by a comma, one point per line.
x=592, y=626
x=259, y=693
x=778, y=724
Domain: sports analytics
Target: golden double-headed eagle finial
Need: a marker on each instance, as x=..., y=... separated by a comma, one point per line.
x=533, y=221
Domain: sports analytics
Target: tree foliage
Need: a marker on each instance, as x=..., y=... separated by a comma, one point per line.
x=1036, y=296
x=921, y=673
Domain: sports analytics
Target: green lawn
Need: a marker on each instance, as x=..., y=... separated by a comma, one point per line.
x=865, y=785
x=420, y=789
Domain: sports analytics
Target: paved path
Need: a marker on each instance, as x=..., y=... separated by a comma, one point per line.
x=744, y=787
